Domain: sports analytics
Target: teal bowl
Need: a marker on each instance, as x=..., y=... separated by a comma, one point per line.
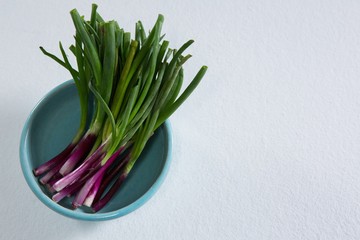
x=51, y=126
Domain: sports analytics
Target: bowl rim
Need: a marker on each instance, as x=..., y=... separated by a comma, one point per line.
x=28, y=174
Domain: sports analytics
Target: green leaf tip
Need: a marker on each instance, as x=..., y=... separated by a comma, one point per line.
x=161, y=17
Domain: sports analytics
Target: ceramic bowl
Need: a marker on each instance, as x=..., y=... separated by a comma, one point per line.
x=50, y=127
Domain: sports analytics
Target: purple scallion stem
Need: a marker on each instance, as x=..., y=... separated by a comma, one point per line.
x=49, y=184
x=91, y=195
x=79, y=152
x=72, y=188
x=69, y=190
x=79, y=171
x=52, y=172
x=58, y=158
x=54, y=179
x=80, y=197
x=114, y=188
x=110, y=176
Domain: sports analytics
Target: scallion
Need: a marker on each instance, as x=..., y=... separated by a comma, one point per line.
x=134, y=85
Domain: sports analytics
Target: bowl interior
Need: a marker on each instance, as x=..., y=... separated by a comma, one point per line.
x=50, y=128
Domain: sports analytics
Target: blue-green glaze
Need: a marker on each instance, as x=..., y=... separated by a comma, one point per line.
x=51, y=126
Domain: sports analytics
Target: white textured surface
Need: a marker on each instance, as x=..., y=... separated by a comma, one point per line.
x=266, y=148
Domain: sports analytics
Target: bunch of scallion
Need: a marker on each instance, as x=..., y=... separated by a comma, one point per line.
x=134, y=85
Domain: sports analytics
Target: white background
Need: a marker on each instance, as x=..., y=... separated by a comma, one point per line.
x=266, y=148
